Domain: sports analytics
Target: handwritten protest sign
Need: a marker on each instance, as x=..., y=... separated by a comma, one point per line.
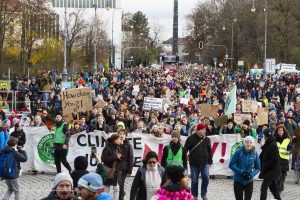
x=76, y=100
x=100, y=103
x=240, y=118
x=262, y=116
x=153, y=103
x=184, y=101
x=249, y=106
x=208, y=110
x=220, y=121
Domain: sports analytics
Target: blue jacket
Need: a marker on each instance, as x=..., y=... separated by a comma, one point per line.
x=104, y=196
x=4, y=135
x=244, y=160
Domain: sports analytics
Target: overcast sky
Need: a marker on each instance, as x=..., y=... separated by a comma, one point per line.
x=161, y=12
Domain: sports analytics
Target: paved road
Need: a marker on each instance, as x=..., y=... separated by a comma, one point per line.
x=36, y=187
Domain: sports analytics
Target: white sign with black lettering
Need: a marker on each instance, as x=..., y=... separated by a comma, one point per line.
x=153, y=103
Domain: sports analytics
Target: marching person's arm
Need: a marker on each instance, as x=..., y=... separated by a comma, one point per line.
x=233, y=161
x=164, y=156
x=107, y=156
x=184, y=158
x=20, y=155
x=22, y=139
x=137, y=181
x=130, y=159
x=256, y=165
x=67, y=133
x=210, y=154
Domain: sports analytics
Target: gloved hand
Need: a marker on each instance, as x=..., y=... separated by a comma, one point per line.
x=246, y=175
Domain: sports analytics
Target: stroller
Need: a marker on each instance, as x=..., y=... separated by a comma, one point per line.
x=297, y=169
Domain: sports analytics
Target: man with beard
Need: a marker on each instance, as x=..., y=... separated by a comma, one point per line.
x=61, y=139
x=62, y=188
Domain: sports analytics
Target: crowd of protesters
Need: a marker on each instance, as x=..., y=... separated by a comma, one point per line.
x=123, y=113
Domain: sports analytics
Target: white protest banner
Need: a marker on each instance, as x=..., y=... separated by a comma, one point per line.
x=153, y=103
x=39, y=148
x=76, y=100
x=270, y=66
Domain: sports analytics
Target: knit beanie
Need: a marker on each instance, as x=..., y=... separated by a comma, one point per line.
x=200, y=127
x=62, y=177
x=91, y=181
x=80, y=163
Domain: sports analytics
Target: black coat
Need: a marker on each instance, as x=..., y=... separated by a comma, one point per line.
x=76, y=175
x=21, y=137
x=202, y=154
x=127, y=157
x=270, y=160
x=138, y=188
x=108, y=157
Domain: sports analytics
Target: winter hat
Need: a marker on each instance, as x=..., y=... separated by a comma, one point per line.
x=80, y=163
x=176, y=134
x=176, y=173
x=267, y=133
x=91, y=181
x=247, y=122
x=200, y=127
x=121, y=124
x=62, y=177
x=249, y=139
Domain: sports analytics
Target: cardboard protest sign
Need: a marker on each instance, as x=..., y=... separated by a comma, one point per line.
x=249, y=106
x=209, y=110
x=220, y=121
x=262, y=116
x=254, y=106
x=153, y=103
x=76, y=100
x=100, y=103
x=240, y=118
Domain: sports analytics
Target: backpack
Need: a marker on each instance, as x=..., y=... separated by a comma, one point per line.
x=7, y=165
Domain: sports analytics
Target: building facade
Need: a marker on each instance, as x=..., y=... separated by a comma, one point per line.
x=108, y=11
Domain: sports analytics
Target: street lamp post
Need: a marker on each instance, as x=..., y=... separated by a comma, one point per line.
x=64, y=71
x=112, y=36
x=95, y=40
x=253, y=9
x=231, y=49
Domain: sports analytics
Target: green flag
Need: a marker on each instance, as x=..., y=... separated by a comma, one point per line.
x=230, y=105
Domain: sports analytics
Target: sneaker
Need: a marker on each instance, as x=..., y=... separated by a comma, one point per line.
x=204, y=198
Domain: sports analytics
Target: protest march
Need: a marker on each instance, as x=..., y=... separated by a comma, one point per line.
x=149, y=123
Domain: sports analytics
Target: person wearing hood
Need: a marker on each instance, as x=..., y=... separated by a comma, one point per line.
x=177, y=185
x=111, y=157
x=270, y=166
x=4, y=135
x=126, y=164
x=80, y=166
x=90, y=187
x=19, y=155
x=61, y=140
x=148, y=179
x=174, y=154
x=245, y=164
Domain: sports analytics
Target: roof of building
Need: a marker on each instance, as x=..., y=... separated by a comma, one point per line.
x=181, y=41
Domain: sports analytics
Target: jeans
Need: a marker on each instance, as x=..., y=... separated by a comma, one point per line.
x=195, y=172
x=121, y=181
x=45, y=98
x=12, y=187
x=115, y=190
x=60, y=156
x=240, y=189
x=273, y=188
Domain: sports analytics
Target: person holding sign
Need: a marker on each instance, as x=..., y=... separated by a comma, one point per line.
x=245, y=164
x=174, y=154
x=61, y=139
